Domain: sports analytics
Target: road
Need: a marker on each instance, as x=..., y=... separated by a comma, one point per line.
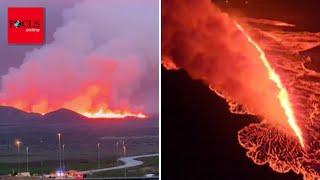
x=128, y=162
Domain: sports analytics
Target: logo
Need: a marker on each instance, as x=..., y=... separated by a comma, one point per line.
x=25, y=25
x=16, y=24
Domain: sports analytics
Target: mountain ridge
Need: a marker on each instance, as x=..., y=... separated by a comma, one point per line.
x=12, y=114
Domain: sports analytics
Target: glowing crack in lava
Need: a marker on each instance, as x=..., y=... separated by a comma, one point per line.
x=283, y=94
x=289, y=52
x=109, y=114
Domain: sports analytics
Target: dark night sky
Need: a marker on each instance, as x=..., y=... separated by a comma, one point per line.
x=199, y=134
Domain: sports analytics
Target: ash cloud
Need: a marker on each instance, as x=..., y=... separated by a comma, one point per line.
x=204, y=41
x=105, y=55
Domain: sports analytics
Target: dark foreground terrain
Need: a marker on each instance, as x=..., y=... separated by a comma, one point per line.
x=79, y=134
x=199, y=135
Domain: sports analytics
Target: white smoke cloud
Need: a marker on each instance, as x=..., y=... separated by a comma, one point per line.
x=104, y=54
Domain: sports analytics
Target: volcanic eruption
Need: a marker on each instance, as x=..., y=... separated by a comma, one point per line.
x=255, y=72
x=283, y=94
x=102, y=62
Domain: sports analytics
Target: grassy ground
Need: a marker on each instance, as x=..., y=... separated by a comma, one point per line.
x=150, y=166
x=51, y=166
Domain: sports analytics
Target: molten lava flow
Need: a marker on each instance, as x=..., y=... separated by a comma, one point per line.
x=283, y=94
x=208, y=46
x=168, y=64
x=110, y=114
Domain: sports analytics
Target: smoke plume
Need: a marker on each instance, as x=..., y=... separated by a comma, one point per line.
x=104, y=56
x=199, y=38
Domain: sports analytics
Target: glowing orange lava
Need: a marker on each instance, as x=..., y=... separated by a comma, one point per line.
x=113, y=114
x=101, y=112
x=168, y=63
x=283, y=94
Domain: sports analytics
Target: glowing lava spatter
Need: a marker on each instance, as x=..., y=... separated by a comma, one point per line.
x=168, y=63
x=110, y=114
x=283, y=94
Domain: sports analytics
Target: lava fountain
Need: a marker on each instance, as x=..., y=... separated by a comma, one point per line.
x=214, y=47
x=283, y=94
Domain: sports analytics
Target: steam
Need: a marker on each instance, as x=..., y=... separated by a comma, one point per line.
x=105, y=55
x=204, y=41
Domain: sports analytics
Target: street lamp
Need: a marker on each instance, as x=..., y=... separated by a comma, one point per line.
x=117, y=151
x=63, y=165
x=18, y=143
x=98, y=145
x=117, y=148
x=27, y=149
x=59, y=144
x=124, y=154
x=41, y=141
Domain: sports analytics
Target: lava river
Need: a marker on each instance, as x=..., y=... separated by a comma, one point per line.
x=285, y=50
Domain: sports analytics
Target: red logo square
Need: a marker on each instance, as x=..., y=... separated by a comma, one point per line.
x=26, y=25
